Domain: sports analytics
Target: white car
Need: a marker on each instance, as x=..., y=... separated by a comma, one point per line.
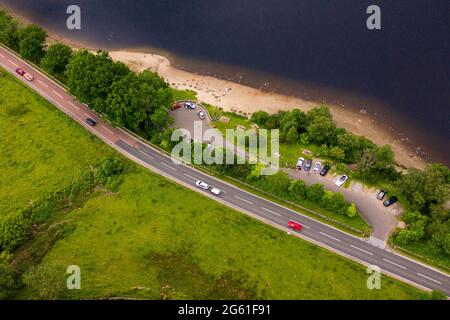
x=215, y=191
x=201, y=114
x=202, y=185
x=300, y=163
x=189, y=105
x=28, y=76
x=339, y=182
x=317, y=167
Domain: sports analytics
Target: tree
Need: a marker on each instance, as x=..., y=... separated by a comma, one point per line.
x=351, y=211
x=161, y=119
x=31, y=43
x=304, y=138
x=297, y=190
x=337, y=153
x=321, y=130
x=9, y=28
x=56, y=59
x=89, y=77
x=259, y=117
x=315, y=192
x=318, y=112
x=292, y=135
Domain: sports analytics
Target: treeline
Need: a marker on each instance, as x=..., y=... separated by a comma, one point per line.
x=317, y=126
x=428, y=216
x=139, y=102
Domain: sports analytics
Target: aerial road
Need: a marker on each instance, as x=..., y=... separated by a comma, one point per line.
x=344, y=244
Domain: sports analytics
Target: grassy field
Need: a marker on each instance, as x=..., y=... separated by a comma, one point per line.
x=149, y=245
x=41, y=149
x=150, y=238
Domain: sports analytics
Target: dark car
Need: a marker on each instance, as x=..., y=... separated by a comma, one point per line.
x=324, y=170
x=307, y=165
x=381, y=194
x=390, y=201
x=91, y=122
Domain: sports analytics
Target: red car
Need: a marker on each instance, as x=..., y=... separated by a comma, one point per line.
x=176, y=106
x=20, y=71
x=294, y=225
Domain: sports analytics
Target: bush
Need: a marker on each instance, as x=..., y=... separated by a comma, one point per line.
x=108, y=168
x=297, y=190
x=14, y=229
x=315, y=193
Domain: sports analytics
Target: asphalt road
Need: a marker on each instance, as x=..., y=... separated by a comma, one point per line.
x=314, y=231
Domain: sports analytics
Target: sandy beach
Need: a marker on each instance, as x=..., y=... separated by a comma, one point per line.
x=232, y=96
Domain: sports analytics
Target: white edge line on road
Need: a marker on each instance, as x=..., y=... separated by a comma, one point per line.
x=395, y=264
x=242, y=199
x=165, y=164
x=360, y=249
x=428, y=278
x=273, y=212
x=327, y=235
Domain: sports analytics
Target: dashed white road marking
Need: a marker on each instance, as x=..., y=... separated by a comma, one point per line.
x=110, y=132
x=57, y=94
x=2, y=55
x=189, y=176
x=327, y=235
x=87, y=115
x=74, y=105
x=370, y=253
x=43, y=83
x=242, y=199
x=13, y=63
x=428, y=278
x=395, y=264
x=146, y=154
x=273, y=212
x=165, y=164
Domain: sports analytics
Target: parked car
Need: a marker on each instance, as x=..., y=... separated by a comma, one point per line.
x=317, y=167
x=215, y=191
x=300, y=162
x=390, y=201
x=201, y=114
x=381, y=194
x=324, y=170
x=176, y=106
x=189, y=105
x=91, y=122
x=294, y=225
x=339, y=182
x=202, y=185
x=307, y=165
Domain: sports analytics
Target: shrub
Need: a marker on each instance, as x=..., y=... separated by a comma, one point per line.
x=315, y=193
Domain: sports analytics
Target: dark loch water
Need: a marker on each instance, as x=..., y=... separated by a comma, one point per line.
x=317, y=49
